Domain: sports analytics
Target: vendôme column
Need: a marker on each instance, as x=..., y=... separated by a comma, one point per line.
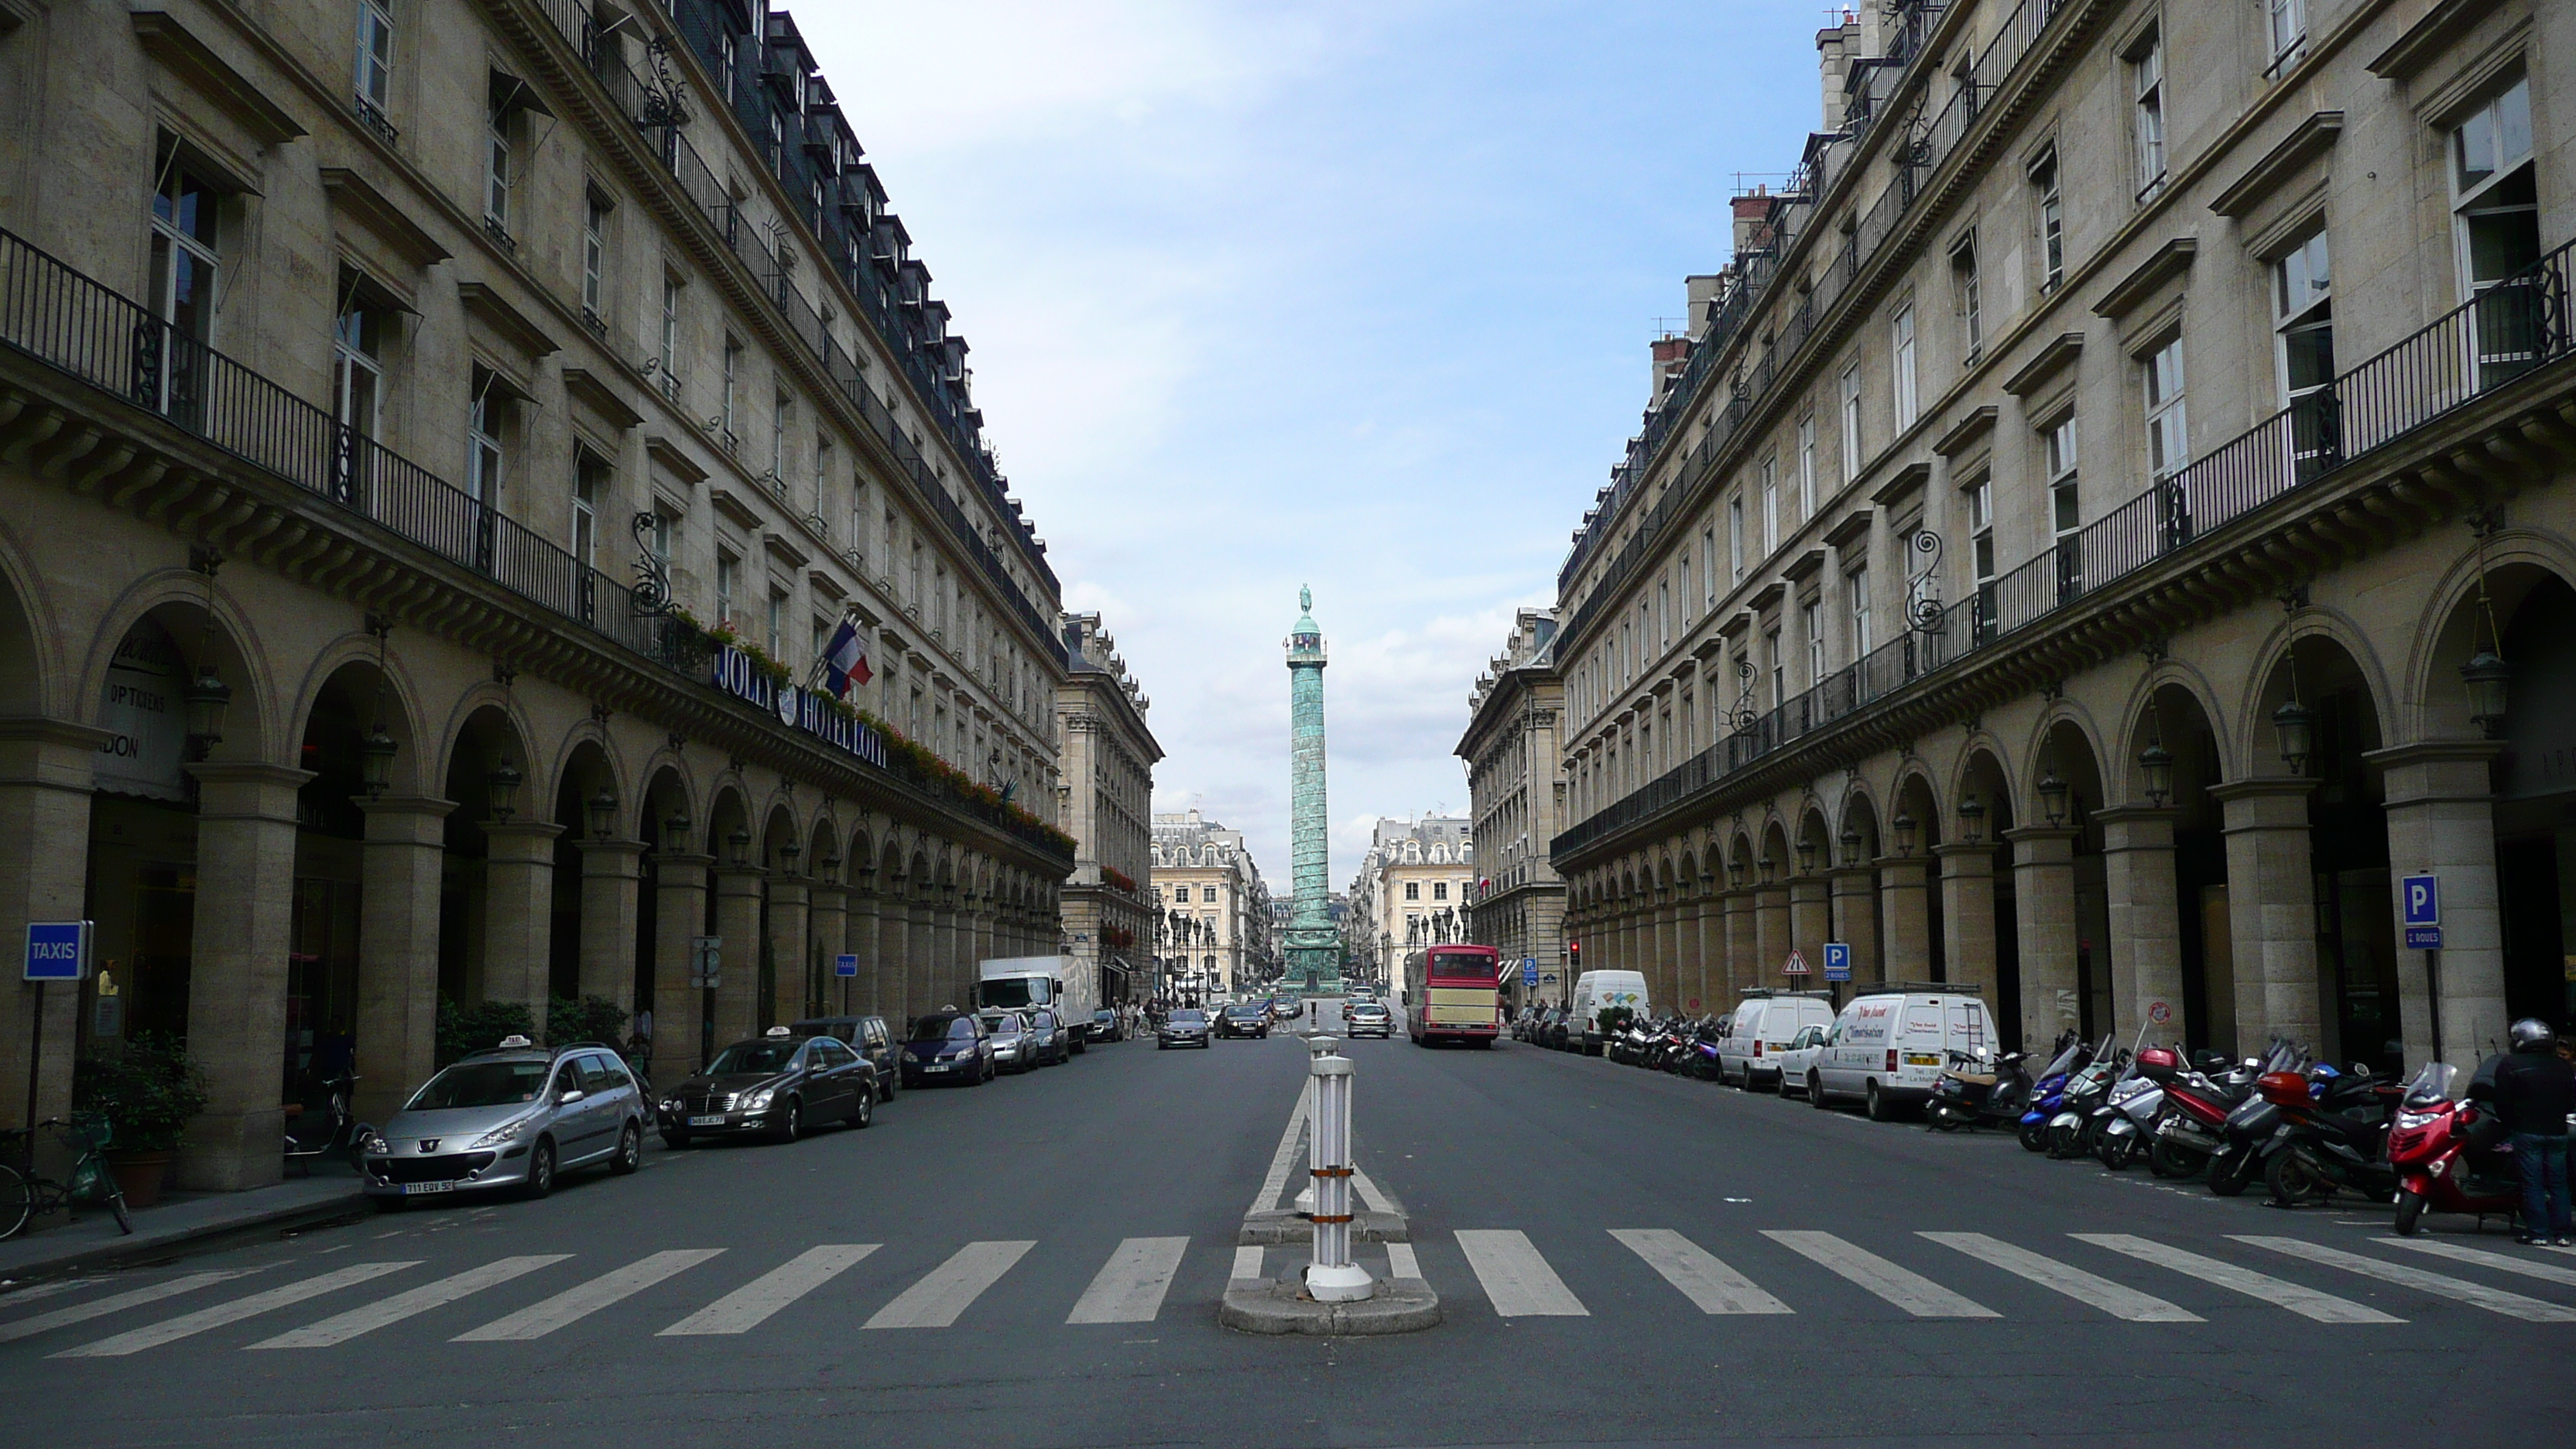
x=1314, y=953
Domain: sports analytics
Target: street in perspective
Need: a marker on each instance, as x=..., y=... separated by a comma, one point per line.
x=589, y=866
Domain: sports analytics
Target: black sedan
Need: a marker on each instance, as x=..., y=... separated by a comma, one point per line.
x=1251, y=1021
x=775, y=1085
x=1049, y=1041
x=1104, y=1026
x=1183, y=1028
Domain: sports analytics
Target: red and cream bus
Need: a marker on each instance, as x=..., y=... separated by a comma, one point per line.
x=1453, y=993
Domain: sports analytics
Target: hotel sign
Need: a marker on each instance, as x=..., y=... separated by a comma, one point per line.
x=801, y=710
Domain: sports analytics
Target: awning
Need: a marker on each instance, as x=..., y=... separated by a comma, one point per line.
x=510, y=93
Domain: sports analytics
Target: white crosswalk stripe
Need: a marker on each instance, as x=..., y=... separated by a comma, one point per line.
x=582, y=1300
x=751, y=1305
x=21, y=1297
x=2304, y=1301
x=951, y=1288
x=366, y=1318
x=2501, y=1262
x=2478, y=1295
x=115, y=1303
x=1903, y=1287
x=171, y=1329
x=1247, y=1262
x=1701, y=1277
x=2075, y=1283
x=1517, y=1281
x=1129, y=1287
x=1400, y=1261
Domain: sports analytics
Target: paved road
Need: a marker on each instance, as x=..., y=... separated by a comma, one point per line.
x=1624, y=1257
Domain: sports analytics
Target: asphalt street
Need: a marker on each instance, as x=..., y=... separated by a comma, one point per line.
x=1624, y=1257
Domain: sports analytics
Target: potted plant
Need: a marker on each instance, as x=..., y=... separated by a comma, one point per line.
x=147, y=1093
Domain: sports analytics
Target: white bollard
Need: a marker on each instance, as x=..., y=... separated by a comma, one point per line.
x=1332, y=1277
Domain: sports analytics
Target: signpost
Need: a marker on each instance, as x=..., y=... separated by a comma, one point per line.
x=706, y=971
x=1837, y=961
x=2420, y=899
x=56, y=951
x=845, y=967
x=1529, y=970
x=1796, y=965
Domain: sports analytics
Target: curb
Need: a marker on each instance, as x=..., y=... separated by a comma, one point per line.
x=1402, y=1305
x=147, y=1245
x=1269, y=1229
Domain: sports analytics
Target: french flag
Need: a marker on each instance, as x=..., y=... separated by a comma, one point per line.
x=845, y=661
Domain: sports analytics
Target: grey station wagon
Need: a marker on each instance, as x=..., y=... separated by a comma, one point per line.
x=512, y=1117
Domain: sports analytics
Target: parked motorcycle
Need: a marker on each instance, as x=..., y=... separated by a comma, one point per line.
x=2128, y=1119
x=2069, y=1128
x=2449, y=1156
x=1978, y=1089
x=2048, y=1092
x=335, y=1128
x=2193, y=1130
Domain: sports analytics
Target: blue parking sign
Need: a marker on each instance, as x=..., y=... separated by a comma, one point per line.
x=845, y=965
x=2423, y=896
x=1529, y=970
x=57, y=950
x=1837, y=961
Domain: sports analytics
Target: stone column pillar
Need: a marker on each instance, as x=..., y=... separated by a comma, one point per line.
x=921, y=943
x=2272, y=910
x=680, y=907
x=1743, y=944
x=1689, y=987
x=1905, y=904
x=612, y=885
x=790, y=962
x=1770, y=934
x=45, y=784
x=981, y=939
x=1661, y=980
x=397, y=1022
x=1713, y=994
x=1811, y=921
x=2044, y=918
x=867, y=991
x=237, y=971
x=2146, y=919
x=1855, y=907
x=2441, y=819
x=827, y=926
x=1968, y=916
x=518, y=913
x=738, y=895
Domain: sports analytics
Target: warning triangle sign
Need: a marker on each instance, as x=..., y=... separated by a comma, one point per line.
x=1796, y=965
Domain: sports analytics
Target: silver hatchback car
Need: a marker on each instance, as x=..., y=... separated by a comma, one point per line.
x=516, y=1116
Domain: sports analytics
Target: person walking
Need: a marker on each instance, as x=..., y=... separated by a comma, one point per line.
x=2535, y=1090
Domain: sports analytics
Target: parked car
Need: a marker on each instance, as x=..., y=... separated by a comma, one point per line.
x=1105, y=1026
x=1287, y=1008
x=869, y=1036
x=947, y=1046
x=1367, y=1018
x=1797, y=1061
x=1185, y=1027
x=1762, y=1025
x=516, y=1116
x=776, y=1085
x=1051, y=1042
x=1251, y=1021
x=1888, y=1047
x=1009, y=1033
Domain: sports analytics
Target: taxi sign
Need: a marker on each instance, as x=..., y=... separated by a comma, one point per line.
x=58, y=950
x=845, y=965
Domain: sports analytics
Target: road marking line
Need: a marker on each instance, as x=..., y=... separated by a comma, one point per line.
x=1129, y=1288
x=170, y=1329
x=2547, y=1273
x=2112, y=1298
x=1699, y=1274
x=340, y=1328
x=1370, y=1198
x=1517, y=1281
x=1275, y=1182
x=750, y=1305
x=2304, y=1301
x=2493, y=1300
x=1908, y=1290
x=1247, y=1263
x=115, y=1302
x=584, y=1299
x=25, y=1296
x=1400, y=1262
x=949, y=1289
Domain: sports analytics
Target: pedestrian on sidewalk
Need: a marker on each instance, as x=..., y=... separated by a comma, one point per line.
x=2535, y=1090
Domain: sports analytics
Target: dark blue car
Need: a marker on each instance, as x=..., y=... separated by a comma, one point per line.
x=947, y=1046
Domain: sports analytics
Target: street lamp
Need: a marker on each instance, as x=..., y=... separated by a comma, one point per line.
x=1806, y=856
x=602, y=810
x=738, y=848
x=2296, y=724
x=2052, y=798
x=2486, y=674
x=1770, y=866
x=209, y=700
x=1905, y=828
x=376, y=761
x=2157, y=763
x=787, y=858
x=1972, y=819
x=1851, y=845
x=502, y=791
x=675, y=832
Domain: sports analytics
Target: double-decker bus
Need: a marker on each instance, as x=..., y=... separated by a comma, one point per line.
x=1453, y=993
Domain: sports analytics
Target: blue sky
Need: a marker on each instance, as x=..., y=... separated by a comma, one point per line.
x=1350, y=295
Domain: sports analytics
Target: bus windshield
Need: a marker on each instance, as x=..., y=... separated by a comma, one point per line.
x=1012, y=992
x=1463, y=966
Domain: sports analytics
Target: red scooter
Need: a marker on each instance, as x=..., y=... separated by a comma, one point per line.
x=2435, y=1145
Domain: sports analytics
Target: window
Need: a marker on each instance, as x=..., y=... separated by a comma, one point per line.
x=483, y=451
x=2303, y=308
x=2168, y=440
x=667, y=363
x=1807, y=466
x=1981, y=549
x=589, y=487
x=1708, y=561
x=2052, y=221
x=1972, y=297
x=498, y=175
x=2065, y=509
x=774, y=627
x=375, y=60
x=357, y=374
x=1811, y=624
x=2496, y=207
x=594, y=260
x=728, y=63
x=664, y=535
x=1901, y=373
x=184, y=256
x=1851, y=423
x=732, y=370
x=782, y=416
x=1856, y=590
x=1735, y=536
x=1770, y=507
x=2147, y=83
x=1413, y=890
x=2289, y=24
x=1440, y=890
x=728, y=583
x=1779, y=667
x=777, y=152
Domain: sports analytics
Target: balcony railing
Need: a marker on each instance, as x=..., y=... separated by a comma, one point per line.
x=2513, y=328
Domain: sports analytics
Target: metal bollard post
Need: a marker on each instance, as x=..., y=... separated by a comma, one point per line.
x=1332, y=1277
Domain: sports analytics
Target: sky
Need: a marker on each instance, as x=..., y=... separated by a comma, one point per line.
x=1349, y=295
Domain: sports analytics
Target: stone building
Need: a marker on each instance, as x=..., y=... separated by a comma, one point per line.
x=1215, y=933
x=438, y=441
x=2113, y=523
x=1412, y=890
x=1106, y=805
x=1516, y=783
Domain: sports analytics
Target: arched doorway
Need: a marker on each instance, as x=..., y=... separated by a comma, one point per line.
x=2068, y=793
x=2176, y=763
x=2534, y=782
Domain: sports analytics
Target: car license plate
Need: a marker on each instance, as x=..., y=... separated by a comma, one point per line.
x=936, y=1067
x=1921, y=1059
x=416, y=1189
x=714, y=1121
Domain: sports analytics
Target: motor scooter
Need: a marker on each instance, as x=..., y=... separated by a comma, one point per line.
x=2193, y=1130
x=2128, y=1120
x=1978, y=1089
x=2450, y=1156
x=335, y=1128
x=2084, y=1091
x=2048, y=1092
x=2337, y=1141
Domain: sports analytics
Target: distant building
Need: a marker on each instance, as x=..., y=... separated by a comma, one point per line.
x=1105, y=801
x=1411, y=891
x=1215, y=934
x=1516, y=783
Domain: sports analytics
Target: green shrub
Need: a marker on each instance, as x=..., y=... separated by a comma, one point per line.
x=465, y=1029
x=147, y=1092
x=1615, y=1019
x=592, y=1018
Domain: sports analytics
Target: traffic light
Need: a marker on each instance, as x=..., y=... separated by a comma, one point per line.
x=1574, y=952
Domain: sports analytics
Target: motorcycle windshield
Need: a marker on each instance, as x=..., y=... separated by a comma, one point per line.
x=2064, y=1061
x=2432, y=1085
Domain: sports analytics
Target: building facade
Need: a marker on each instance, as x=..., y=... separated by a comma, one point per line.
x=1106, y=804
x=1215, y=933
x=1516, y=783
x=475, y=421
x=1411, y=891
x=2112, y=525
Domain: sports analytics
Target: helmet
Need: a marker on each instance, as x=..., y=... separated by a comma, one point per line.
x=2530, y=1034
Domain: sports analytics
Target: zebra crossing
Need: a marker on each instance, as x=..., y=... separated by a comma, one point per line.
x=1500, y=1273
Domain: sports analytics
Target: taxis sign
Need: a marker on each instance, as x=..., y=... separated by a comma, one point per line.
x=57, y=950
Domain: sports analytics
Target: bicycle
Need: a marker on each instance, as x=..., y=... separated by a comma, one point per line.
x=24, y=1192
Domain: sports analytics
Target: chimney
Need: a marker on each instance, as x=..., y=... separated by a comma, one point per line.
x=1671, y=354
x=1753, y=222
x=1705, y=291
x=1836, y=46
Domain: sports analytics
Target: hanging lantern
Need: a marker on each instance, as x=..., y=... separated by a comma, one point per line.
x=1851, y=845
x=1905, y=828
x=1770, y=866
x=1972, y=820
x=2486, y=674
x=675, y=832
x=787, y=858
x=2296, y=724
x=2157, y=764
x=376, y=762
x=2052, y=798
x=502, y=786
x=602, y=811
x=1806, y=856
x=209, y=700
x=738, y=847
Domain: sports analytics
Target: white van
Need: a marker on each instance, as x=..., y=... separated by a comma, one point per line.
x=1889, y=1047
x=1598, y=991
x=1762, y=1025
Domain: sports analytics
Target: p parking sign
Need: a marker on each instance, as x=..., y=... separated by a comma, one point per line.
x=2421, y=896
x=1837, y=961
x=57, y=950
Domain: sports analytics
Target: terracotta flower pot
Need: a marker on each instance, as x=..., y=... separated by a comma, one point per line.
x=139, y=1175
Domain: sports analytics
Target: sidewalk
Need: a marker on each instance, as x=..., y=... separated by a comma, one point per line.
x=91, y=1240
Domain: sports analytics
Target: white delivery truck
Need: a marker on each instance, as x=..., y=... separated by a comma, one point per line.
x=1066, y=985
x=1598, y=991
